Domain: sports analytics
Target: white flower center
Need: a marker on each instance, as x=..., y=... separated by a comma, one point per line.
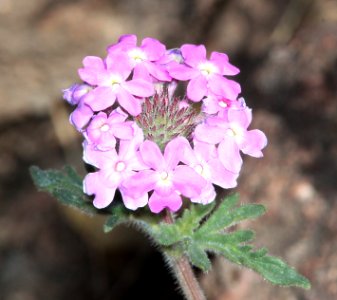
x=164, y=179
x=115, y=81
x=137, y=55
x=105, y=128
x=120, y=166
x=207, y=68
x=223, y=104
x=235, y=131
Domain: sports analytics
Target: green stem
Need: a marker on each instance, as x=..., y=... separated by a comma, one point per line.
x=183, y=271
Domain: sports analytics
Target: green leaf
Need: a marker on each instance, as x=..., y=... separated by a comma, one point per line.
x=271, y=268
x=192, y=217
x=198, y=257
x=184, y=227
x=167, y=234
x=65, y=185
x=117, y=217
x=236, y=237
x=224, y=217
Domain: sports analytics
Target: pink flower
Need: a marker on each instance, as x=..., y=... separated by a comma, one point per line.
x=205, y=75
x=103, y=130
x=203, y=158
x=74, y=94
x=114, y=168
x=143, y=59
x=81, y=116
x=164, y=177
x=231, y=135
x=111, y=78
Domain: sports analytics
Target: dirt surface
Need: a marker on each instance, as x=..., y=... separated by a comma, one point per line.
x=286, y=51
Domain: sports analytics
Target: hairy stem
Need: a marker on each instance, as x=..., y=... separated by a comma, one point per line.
x=183, y=271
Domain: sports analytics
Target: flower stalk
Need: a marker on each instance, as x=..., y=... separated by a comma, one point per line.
x=183, y=271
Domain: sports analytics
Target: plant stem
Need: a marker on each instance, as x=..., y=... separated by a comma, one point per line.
x=183, y=271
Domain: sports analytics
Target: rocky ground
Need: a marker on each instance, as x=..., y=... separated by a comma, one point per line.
x=286, y=51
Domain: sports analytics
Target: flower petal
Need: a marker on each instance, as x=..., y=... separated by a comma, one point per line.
x=181, y=71
x=193, y=54
x=132, y=202
x=209, y=134
x=152, y=155
x=129, y=102
x=123, y=130
x=93, y=185
x=187, y=181
x=158, y=202
x=229, y=154
x=222, y=62
x=240, y=116
x=224, y=87
x=207, y=195
x=221, y=176
x=157, y=71
x=99, y=159
x=81, y=116
x=93, y=65
x=205, y=151
x=197, y=88
x=119, y=63
x=139, y=87
x=174, y=151
x=125, y=42
x=140, y=183
x=255, y=140
x=100, y=98
x=153, y=48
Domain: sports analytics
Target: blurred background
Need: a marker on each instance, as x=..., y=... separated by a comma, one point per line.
x=286, y=51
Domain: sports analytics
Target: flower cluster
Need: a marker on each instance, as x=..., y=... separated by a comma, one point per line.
x=151, y=144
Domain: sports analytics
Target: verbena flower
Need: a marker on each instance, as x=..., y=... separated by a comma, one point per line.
x=165, y=177
x=103, y=129
x=156, y=139
x=206, y=76
x=143, y=59
x=110, y=78
x=230, y=133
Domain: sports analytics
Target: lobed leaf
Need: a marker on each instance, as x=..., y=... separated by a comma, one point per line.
x=65, y=185
x=198, y=257
x=117, y=217
x=271, y=268
x=236, y=237
x=224, y=217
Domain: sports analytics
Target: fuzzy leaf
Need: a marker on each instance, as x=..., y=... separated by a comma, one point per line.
x=271, y=268
x=117, y=217
x=236, y=237
x=192, y=217
x=169, y=234
x=198, y=257
x=224, y=217
x=65, y=185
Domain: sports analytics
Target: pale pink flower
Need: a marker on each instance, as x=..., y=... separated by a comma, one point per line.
x=206, y=76
x=231, y=135
x=114, y=168
x=144, y=58
x=103, y=130
x=164, y=177
x=111, y=80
